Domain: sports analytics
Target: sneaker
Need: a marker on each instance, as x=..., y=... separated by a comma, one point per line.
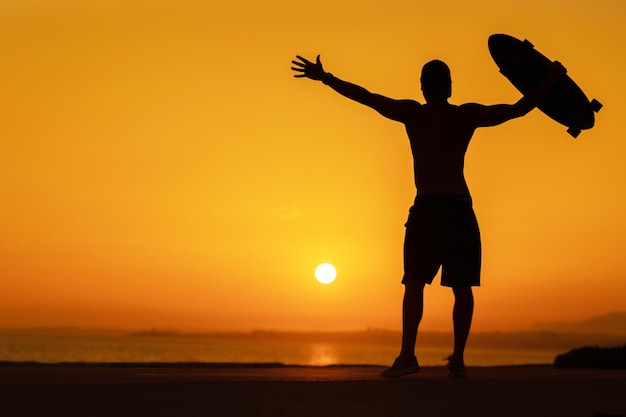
x=456, y=370
x=401, y=367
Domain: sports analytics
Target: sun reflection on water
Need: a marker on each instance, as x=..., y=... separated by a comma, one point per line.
x=323, y=354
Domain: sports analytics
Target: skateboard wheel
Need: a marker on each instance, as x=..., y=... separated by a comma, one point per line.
x=528, y=43
x=595, y=105
x=573, y=131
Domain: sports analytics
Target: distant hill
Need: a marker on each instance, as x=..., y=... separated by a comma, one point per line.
x=610, y=323
x=593, y=357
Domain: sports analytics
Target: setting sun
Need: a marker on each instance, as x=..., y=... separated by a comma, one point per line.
x=325, y=273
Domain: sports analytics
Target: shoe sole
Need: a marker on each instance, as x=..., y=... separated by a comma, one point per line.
x=400, y=372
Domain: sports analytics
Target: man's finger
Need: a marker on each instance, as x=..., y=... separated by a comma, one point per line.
x=300, y=64
x=299, y=75
x=297, y=69
x=306, y=61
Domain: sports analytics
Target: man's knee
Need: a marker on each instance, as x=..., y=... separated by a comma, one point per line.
x=462, y=292
x=413, y=285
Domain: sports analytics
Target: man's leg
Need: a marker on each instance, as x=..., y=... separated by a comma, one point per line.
x=412, y=309
x=462, y=319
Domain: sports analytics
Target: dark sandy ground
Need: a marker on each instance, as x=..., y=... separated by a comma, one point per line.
x=276, y=390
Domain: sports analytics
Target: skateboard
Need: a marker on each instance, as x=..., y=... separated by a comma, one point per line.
x=525, y=68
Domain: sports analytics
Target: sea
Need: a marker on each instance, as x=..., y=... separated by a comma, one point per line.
x=370, y=347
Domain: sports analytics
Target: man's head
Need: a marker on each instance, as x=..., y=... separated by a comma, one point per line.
x=436, y=81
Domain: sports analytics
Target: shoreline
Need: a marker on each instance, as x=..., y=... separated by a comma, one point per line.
x=185, y=364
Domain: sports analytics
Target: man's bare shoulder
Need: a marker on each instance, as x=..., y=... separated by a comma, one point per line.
x=403, y=110
x=472, y=112
x=409, y=104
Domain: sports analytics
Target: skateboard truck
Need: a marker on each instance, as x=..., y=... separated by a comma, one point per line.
x=595, y=106
x=574, y=132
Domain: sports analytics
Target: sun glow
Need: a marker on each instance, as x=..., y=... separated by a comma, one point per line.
x=177, y=183
x=325, y=273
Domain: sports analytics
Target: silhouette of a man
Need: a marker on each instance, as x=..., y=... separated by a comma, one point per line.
x=441, y=230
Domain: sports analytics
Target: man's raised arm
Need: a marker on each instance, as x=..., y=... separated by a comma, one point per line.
x=500, y=113
x=393, y=109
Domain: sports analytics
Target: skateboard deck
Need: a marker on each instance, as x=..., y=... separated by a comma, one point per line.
x=525, y=68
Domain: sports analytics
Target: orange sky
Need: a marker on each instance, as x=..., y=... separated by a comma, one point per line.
x=162, y=168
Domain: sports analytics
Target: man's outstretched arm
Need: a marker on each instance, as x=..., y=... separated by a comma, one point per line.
x=500, y=113
x=390, y=108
